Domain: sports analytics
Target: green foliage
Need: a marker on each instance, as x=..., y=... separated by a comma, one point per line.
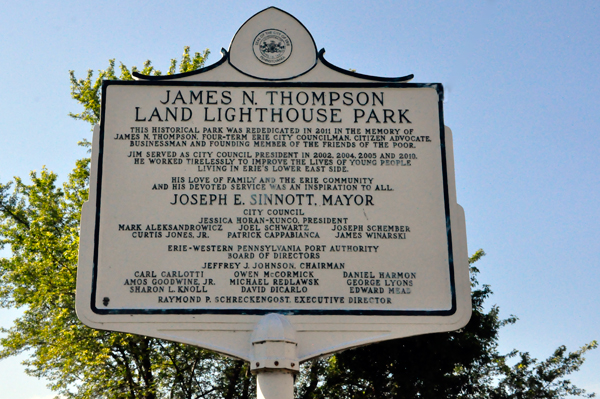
x=529, y=378
x=39, y=223
x=87, y=91
x=459, y=364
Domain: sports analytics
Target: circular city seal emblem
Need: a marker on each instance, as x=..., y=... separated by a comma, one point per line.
x=272, y=47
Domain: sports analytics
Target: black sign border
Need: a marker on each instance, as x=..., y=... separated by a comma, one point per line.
x=328, y=312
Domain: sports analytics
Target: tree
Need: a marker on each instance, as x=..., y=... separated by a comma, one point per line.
x=39, y=222
x=457, y=364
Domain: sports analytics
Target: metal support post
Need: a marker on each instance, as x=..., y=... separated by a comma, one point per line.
x=274, y=357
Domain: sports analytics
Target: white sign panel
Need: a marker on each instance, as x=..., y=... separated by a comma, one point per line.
x=273, y=182
x=244, y=199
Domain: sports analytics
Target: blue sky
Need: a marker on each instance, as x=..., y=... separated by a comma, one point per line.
x=521, y=83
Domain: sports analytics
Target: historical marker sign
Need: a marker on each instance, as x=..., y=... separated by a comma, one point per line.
x=243, y=199
x=273, y=181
